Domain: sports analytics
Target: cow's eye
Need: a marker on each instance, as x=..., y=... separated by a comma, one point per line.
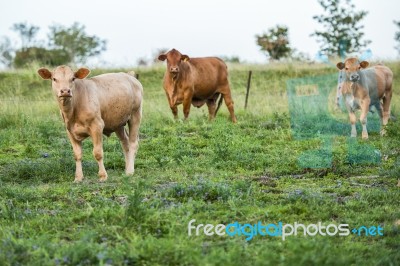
x=73, y=79
x=347, y=68
x=54, y=80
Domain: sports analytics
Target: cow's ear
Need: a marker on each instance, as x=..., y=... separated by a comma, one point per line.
x=81, y=73
x=185, y=58
x=364, y=64
x=44, y=73
x=162, y=57
x=340, y=65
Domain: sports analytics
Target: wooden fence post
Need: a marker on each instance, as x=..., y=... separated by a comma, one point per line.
x=248, y=89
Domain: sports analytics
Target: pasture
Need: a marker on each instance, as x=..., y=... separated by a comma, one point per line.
x=259, y=169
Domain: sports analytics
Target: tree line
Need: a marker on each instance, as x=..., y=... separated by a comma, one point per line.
x=342, y=34
x=65, y=45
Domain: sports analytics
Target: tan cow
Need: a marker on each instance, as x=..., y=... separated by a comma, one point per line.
x=99, y=105
x=363, y=88
x=196, y=81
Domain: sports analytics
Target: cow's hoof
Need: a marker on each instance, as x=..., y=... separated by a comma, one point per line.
x=130, y=172
x=383, y=132
x=365, y=136
x=103, y=177
x=78, y=180
x=398, y=183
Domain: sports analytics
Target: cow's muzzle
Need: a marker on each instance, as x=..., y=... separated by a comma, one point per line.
x=65, y=93
x=174, y=70
x=354, y=77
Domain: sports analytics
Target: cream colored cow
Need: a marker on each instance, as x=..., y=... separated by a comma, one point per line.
x=99, y=105
x=363, y=88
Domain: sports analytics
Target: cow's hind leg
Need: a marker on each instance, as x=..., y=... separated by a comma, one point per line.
x=226, y=92
x=123, y=137
x=212, y=106
x=97, y=137
x=134, y=124
x=386, y=110
x=379, y=107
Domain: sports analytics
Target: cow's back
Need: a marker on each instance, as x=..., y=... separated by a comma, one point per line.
x=386, y=75
x=378, y=79
x=210, y=72
x=116, y=95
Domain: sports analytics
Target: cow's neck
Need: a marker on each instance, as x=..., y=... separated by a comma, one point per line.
x=66, y=108
x=174, y=78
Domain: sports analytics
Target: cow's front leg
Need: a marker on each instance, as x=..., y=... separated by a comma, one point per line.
x=77, y=148
x=172, y=101
x=174, y=110
x=97, y=137
x=363, y=117
x=187, y=102
x=353, y=120
x=123, y=137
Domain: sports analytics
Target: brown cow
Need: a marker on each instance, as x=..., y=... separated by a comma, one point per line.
x=363, y=88
x=99, y=105
x=196, y=81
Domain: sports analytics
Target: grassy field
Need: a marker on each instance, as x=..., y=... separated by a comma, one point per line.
x=261, y=169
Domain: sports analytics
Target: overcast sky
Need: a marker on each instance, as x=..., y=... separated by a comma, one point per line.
x=135, y=29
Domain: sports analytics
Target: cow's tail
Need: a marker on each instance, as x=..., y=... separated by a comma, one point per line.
x=221, y=98
x=133, y=74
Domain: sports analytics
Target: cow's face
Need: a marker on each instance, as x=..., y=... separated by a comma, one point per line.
x=174, y=59
x=351, y=68
x=63, y=79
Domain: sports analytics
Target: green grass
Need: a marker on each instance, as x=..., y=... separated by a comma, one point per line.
x=215, y=172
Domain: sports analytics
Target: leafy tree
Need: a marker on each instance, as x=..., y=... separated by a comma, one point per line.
x=342, y=30
x=26, y=32
x=397, y=36
x=230, y=59
x=299, y=56
x=75, y=42
x=43, y=56
x=6, y=52
x=275, y=43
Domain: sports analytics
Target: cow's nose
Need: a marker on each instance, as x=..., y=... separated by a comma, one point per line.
x=354, y=77
x=65, y=93
x=174, y=69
